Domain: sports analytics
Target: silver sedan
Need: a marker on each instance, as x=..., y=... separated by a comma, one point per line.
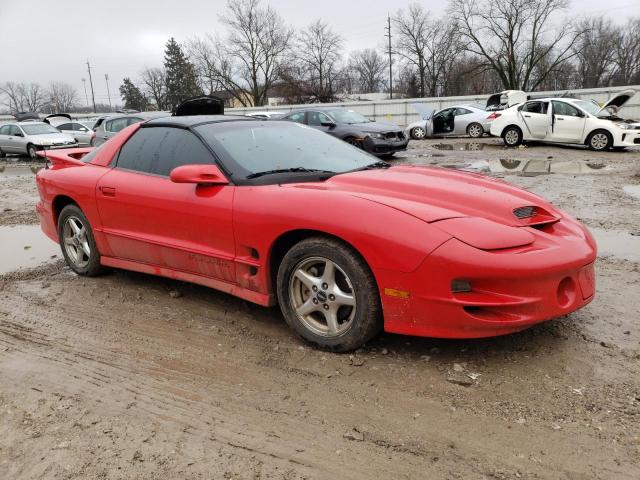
x=29, y=137
x=456, y=120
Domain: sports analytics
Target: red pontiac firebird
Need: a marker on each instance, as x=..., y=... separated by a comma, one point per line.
x=276, y=212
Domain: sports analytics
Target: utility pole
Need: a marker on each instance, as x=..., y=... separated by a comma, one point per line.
x=106, y=79
x=86, y=97
x=388, y=35
x=93, y=97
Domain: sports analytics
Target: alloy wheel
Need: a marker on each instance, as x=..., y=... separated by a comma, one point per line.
x=599, y=141
x=511, y=137
x=475, y=130
x=418, y=133
x=76, y=243
x=322, y=296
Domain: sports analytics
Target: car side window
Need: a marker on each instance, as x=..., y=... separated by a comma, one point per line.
x=535, y=107
x=316, y=118
x=76, y=127
x=158, y=150
x=462, y=111
x=115, y=125
x=296, y=117
x=4, y=130
x=562, y=108
x=64, y=126
x=132, y=120
x=15, y=130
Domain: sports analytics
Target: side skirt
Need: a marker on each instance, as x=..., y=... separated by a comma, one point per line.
x=230, y=288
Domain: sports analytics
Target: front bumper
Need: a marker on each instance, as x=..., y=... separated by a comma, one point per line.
x=512, y=289
x=57, y=147
x=380, y=146
x=627, y=138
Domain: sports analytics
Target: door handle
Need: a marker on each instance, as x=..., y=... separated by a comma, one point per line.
x=107, y=191
x=560, y=118
x=527, y=116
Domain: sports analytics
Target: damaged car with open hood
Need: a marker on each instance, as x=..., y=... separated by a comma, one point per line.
x=569, y=121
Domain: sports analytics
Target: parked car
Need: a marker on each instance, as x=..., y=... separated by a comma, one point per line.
x=27, y=138
x=266, y=114
x=78, y=130
x=276, y=212
x=109, y=125
x=569, y=120
x=374, y=137
x=454, y=120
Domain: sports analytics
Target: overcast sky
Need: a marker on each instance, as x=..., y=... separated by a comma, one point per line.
x=47, y=40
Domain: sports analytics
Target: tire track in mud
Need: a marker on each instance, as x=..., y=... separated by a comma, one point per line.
x=234, y=396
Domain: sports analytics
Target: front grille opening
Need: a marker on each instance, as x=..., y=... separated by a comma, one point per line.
x=525, y=212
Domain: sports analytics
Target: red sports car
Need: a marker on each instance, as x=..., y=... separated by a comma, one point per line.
x=276, y=212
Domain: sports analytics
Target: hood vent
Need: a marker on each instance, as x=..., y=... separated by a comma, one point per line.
x=524, y=212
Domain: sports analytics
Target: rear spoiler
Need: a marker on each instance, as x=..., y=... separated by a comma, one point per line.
x=66, y=156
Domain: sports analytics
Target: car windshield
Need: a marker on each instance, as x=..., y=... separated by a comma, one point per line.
x=38, y=129
x=587, y=106
x=342, y=115
x=251, y=148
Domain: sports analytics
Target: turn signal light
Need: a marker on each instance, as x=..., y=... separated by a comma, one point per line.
x=493, y=116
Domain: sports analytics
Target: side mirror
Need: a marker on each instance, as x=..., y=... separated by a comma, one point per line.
x=83, y=129
x=19, y=134
x=328, y=124
x=198, y=174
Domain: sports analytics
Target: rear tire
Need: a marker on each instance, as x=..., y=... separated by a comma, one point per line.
x=78, y=243
x=328, y=295
x=32, y=151
x=599, y=140
x=512, y=136
x=475, y=130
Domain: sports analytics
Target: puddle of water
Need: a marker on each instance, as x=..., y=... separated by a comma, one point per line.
x=469, y=146
x=633, y=190
x=531, y=167
x=25, y=246
x=613, y=243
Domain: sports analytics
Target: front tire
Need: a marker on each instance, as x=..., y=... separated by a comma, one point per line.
x=77, y=242
x=475, y=130
x=2, y=154
x=328, y=295
x=599, y=140
x=355, y=142
x=418, y=133
x=512, y=136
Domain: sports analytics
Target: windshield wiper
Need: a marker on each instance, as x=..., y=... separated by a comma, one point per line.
x=288, y=170
x=379, y=164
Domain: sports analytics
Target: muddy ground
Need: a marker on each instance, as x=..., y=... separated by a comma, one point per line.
x=133, y=376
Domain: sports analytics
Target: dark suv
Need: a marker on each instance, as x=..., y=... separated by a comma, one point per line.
x=374, y=137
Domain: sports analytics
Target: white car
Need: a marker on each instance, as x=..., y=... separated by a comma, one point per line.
x=454, y=120
x=265, y=114
x=568, y=120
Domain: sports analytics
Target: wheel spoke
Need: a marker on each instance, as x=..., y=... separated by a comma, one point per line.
x=332, y=320
x=343, y=298
x=308, y=280
x=85, y=248
x=307, y=307
x=74, y=227
x=329, y=274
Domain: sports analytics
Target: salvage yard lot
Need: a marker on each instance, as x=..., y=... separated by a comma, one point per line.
x=132, y=376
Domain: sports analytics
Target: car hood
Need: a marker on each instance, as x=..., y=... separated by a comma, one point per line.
x=618, y=100
x=425, y=111
x=375, y=127
x=51, y=139
x=435, y=194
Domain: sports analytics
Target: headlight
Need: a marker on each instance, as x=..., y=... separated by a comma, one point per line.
x=624, y=126
x=45, y=142
x=375, y=135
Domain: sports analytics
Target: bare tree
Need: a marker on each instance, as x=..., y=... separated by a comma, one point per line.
x=22, y=97
x=62, y=97
x=514, y=37
x=595, y=60
x=369, y=68
x=627, y=54
x=246, y=63
x=319, y=51
x=155, y=86
x=430, y=46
